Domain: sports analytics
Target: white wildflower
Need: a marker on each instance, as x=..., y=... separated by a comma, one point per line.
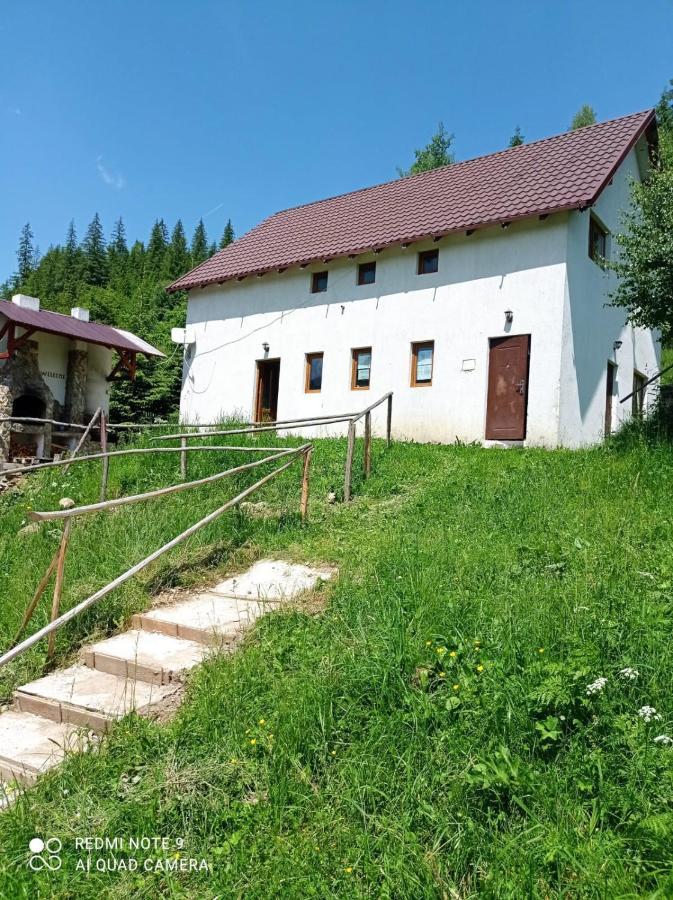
x=649, y=714
x=664, y=739
x=596, y=686
x=629, y=674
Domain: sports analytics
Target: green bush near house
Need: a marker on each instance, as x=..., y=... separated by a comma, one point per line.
x=464, y=719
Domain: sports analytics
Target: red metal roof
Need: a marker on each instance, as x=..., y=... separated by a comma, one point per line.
x=567, y=171
x=90, y=332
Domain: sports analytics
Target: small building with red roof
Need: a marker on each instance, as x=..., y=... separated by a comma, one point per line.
x=477, y=292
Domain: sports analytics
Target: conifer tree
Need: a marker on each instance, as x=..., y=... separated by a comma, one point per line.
x=199, y=249
x=71, y=245
x=178, y=260
x=227, y=235
x=517, y=138
x=118, y=246
x=93, y=248
x=25, y=256
x=156, y=249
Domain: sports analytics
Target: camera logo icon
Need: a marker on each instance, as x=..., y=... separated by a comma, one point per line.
x=45, y=854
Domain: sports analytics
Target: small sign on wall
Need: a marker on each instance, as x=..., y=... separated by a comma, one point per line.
x=469, y=365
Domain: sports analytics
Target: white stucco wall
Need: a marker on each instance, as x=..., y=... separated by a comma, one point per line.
x=591, y=326
x=460, y=308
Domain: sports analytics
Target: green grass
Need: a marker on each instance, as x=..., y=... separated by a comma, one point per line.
x=547, y=569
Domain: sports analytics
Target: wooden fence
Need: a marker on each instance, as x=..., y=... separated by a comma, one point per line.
x=57, y=564
x=351, y=418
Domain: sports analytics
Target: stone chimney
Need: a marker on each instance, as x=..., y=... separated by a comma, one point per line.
x=26, y=302
x=78, y=312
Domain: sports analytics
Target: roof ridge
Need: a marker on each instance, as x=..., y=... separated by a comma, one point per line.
x=462, y=162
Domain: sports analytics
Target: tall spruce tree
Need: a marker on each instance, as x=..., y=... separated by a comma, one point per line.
x=25, y=256
x=199, y=249
x=178, y=260
x=227, y=235
x=94, y=253
x=71, y=245
x=118, y=245
x=584, y=116
x=156, y=249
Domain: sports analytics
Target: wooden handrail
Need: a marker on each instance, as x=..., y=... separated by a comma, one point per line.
x=138, y=567
x=254, y=429
x=34, y=421
x=648, y=382
x=160, y=492
x=132, y=451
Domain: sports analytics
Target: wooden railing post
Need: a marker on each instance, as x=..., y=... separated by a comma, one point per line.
x=106, y=458
x=389, y=423
x=348, y=474
x=368, y=445
x=305, y=485
x=82, y=440
x=58, y=585
x=183, y=458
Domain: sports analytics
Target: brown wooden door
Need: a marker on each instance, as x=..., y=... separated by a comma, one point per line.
x=507, y=388
x=266, y=393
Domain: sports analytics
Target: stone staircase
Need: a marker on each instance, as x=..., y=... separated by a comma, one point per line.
x=141, y=669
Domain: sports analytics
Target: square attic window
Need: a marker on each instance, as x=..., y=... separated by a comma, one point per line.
x=318, y=282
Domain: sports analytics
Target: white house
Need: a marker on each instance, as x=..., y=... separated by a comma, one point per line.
x=475, y=292
x=55, y=367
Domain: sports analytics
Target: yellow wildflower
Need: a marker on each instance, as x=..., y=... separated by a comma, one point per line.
x=253, y=741
x=348, y=869
x=428, y=643
x=453, y=654
x=456, y=687
x=262, y=721
x=442, y=674
x=480, y=668
x=540, y=650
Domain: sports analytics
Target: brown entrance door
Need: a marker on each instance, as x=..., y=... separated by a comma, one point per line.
x=507, y=388
x=266, y=391
x=609, y=390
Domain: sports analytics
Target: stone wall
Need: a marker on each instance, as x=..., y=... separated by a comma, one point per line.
x=75, y=389
x=20, y=376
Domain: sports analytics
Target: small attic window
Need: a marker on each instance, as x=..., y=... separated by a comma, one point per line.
x=319, y=282
x=598, y=241
x=428, y=262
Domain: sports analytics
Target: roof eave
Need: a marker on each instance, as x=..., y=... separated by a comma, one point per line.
x=386, y=245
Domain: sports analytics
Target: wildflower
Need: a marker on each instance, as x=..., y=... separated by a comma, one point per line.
x=480, y=668
x=233, y=760
x=253, y=741
x=540, y=649
x=456, y=687
x=663, y=739
x=348, y=870
x=333, y=752
x=596, y=686
x=477, y=642
x=262, y=721
x=428, y=643
x=442, y=674
x=453, y=654
x=648, y=714
x=629, y=674
x=440, y=651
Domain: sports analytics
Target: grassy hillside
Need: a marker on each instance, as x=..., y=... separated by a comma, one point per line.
x=432, y=733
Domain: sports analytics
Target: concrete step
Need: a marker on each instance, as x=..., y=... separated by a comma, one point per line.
x=273, y=580
x=83, y=696
x=148, y=656
x=29, y=745
x=206, y=618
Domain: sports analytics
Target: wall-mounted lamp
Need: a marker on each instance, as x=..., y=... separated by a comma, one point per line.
x=265, y=347
x=509, y=316
x=617, y=345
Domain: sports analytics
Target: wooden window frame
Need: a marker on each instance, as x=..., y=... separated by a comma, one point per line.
x=415, y=347
x=354, y=368
x=307, y=372
x=595, y=224
x=369, y=266
x=314, y=282
x=427, y=254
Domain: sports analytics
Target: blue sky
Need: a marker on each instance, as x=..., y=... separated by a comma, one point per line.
x=237, y=109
